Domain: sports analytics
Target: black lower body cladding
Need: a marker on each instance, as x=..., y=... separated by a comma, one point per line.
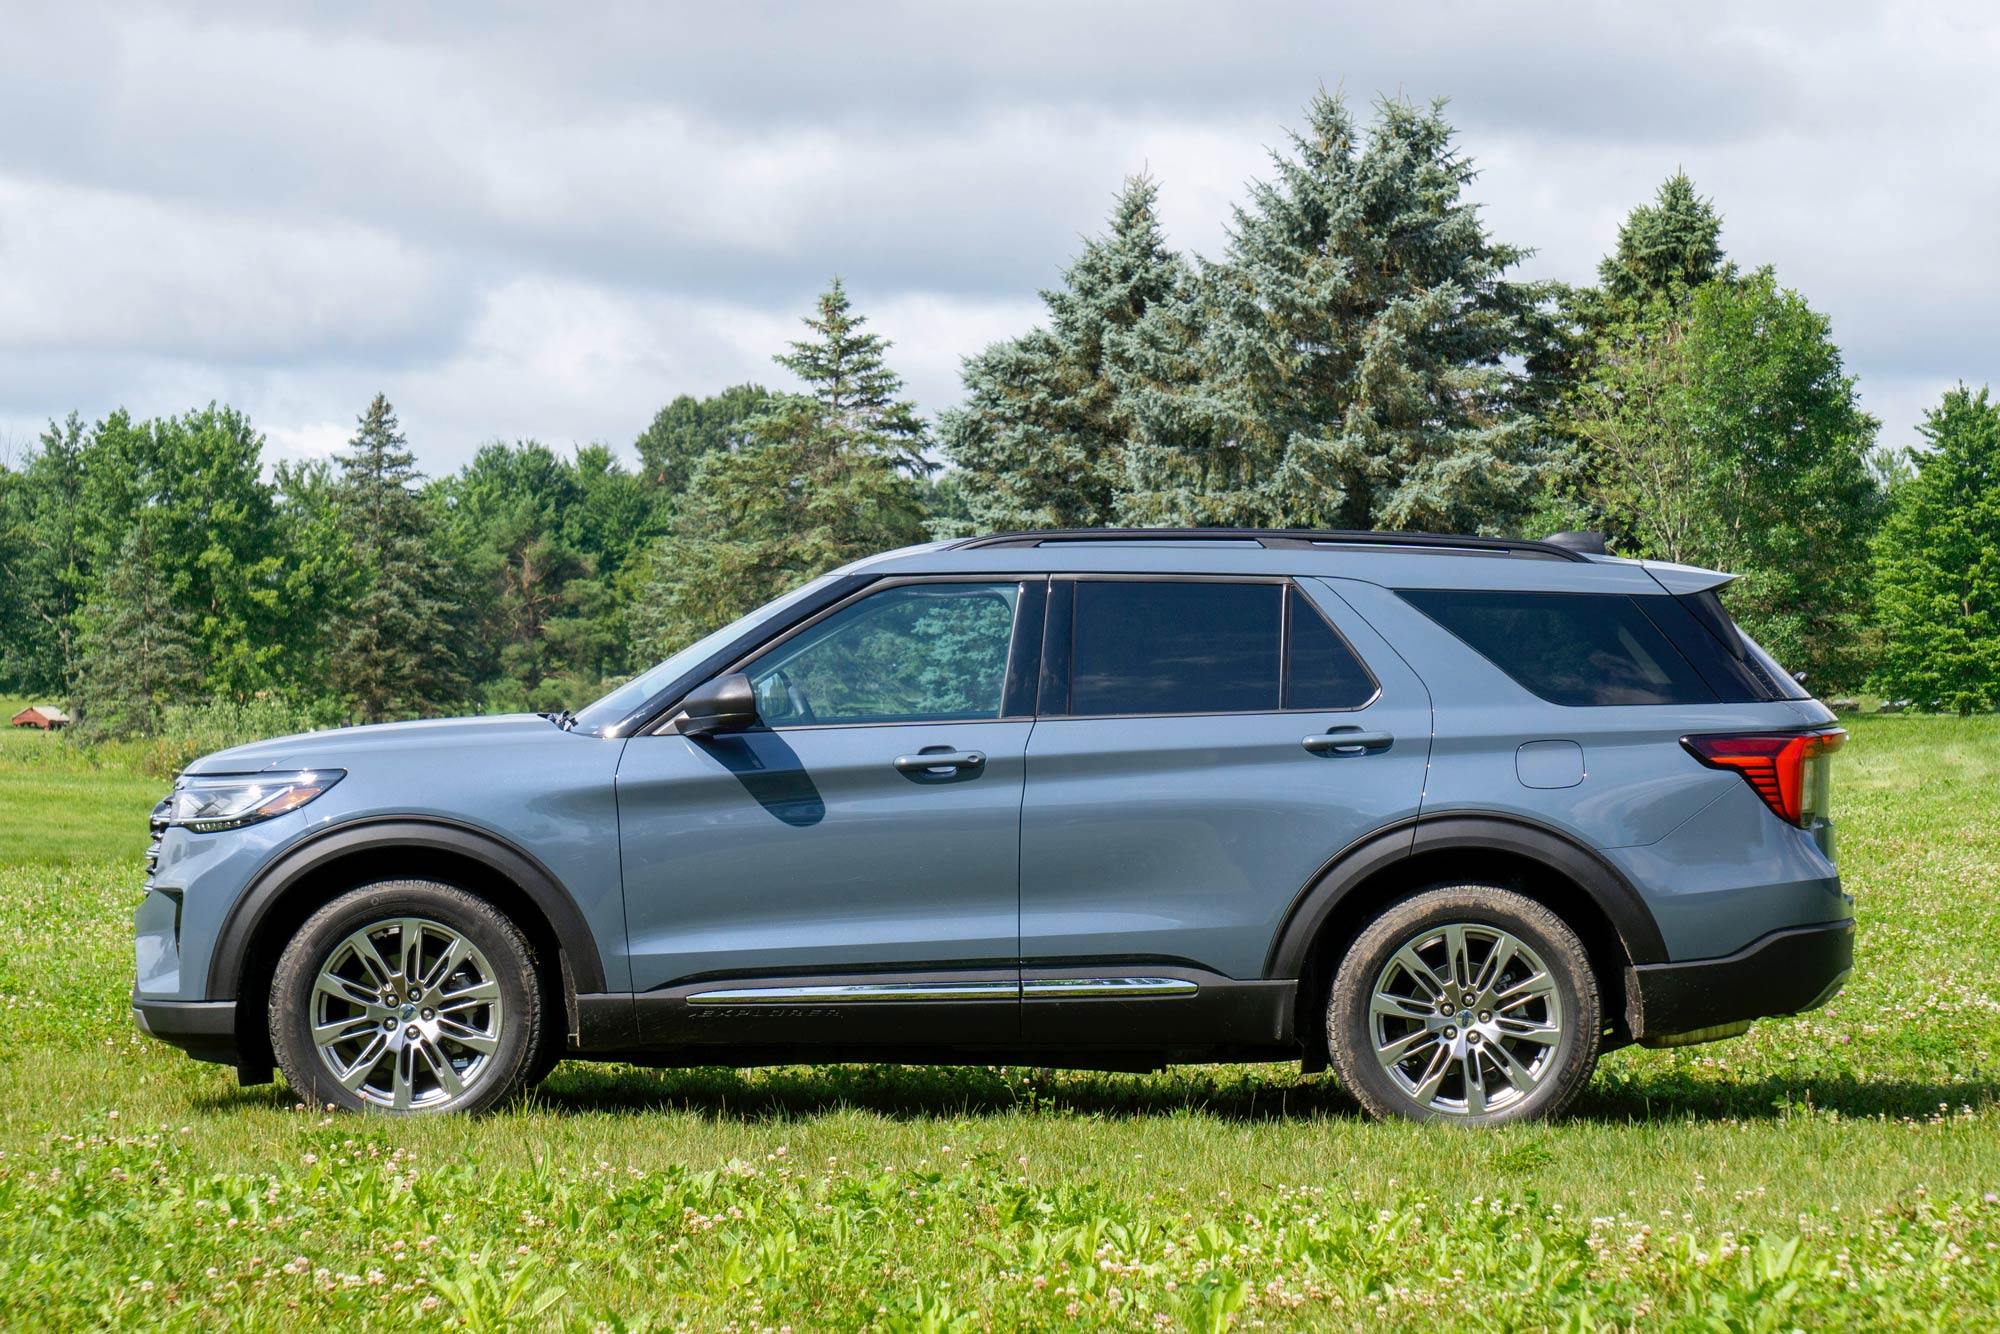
x=1785, y=972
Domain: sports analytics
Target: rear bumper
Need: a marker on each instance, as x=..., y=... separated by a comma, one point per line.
x=205, y=1030
x=1784, y=972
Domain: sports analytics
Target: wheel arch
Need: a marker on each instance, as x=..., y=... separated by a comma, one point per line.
x=308, y=876
x=1598, y=903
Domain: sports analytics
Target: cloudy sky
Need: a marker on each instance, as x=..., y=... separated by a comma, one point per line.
x=548, y=220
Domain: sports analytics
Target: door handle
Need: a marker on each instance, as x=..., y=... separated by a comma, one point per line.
x=1348, y=741
x=940, y=762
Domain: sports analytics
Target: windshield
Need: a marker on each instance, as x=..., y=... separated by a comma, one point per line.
x=612, y=709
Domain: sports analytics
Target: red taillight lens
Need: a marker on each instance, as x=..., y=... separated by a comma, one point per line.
x=1780, y=769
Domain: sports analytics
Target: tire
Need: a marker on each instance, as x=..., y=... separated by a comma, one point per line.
x=1397, y=1021
x=461, y=1039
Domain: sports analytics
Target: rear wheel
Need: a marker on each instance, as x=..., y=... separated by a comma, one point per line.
x=407, y=996
x=1466, y=1003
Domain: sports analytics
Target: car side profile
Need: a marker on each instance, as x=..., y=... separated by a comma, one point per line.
x=1452, y=815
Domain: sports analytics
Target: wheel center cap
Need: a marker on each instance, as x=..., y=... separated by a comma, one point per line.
x=1465, y=1019
x=409, y=1012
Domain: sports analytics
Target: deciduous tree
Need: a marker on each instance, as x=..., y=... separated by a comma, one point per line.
x=1937, y=564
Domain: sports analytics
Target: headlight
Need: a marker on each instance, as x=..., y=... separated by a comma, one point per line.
x=230, y=801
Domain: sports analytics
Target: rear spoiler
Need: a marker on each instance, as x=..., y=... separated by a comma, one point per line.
x=1679, y=579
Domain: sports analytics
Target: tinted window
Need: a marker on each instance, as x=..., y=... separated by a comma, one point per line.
x=1163, y=647
x=1710, y=641
x=1321, y=671
x=915, y=653
x=1569, y=648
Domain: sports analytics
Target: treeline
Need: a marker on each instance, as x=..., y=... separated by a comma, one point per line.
x=1361, y=355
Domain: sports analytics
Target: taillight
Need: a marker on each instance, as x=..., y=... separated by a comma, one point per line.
x=1789, y=772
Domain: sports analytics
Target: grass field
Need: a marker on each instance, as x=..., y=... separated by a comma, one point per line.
x=1838, y=1170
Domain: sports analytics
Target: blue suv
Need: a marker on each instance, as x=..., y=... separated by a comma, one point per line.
x=1453, y=815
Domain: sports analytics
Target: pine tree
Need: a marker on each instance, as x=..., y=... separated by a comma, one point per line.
x=798, y=500
x=1040, y=440
x=1666, y=249
x=1937, y=565
x=398, y=648
x=1351, y=362
x=844, y=370
x=141, y=650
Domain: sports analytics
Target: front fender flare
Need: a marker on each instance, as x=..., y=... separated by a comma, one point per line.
x=275, y=881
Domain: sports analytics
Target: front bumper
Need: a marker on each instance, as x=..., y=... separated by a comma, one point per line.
x=205, y=1030
x=1783, y=972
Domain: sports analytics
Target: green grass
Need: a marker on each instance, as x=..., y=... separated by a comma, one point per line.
x=61, y=804
x=1837, y=1170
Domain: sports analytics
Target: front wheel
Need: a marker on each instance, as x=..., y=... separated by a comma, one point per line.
x=1468, y=1003
x=407, y=996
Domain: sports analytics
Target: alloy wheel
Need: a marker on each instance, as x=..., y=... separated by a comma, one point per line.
x=1466, y=1018
x=406, y=1013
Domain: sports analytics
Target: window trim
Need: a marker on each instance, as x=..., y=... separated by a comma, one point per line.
x=1059, y=643
x=1021, y=639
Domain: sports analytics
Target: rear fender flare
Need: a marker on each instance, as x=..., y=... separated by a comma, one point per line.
x=1319, y=903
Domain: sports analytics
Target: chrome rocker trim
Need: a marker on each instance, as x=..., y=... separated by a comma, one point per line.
x=862, y=993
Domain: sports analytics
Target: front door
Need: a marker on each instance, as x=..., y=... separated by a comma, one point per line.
x=857, y=853
x=1196, y=777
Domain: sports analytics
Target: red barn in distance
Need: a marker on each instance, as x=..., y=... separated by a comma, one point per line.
x=45, y=716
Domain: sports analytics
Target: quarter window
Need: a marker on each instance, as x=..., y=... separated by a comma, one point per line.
x=1569, y=648
x=913, y=653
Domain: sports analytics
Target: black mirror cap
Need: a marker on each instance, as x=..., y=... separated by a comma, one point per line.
x=726, y=704
x=1586, y=543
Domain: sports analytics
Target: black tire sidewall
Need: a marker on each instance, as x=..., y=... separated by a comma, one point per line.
x=1351, y=1044
x=496, y=937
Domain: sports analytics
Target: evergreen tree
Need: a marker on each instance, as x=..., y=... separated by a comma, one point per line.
x=844, y=370
x=1353, y=360
x=398, y=650
x=1666, y=249
x=799, y=499
x=1937, y=565
x=689, y=429
x=142, y=654
x=1040, y=440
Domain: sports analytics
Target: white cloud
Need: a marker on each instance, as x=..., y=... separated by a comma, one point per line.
x=548, y=222
x=110, y=272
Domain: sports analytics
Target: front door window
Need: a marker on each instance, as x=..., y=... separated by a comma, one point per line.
x=909, y=654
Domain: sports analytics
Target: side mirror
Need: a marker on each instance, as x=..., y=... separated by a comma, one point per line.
x=726, y=704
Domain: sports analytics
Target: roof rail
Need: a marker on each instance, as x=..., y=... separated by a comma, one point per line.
x=1430, y=543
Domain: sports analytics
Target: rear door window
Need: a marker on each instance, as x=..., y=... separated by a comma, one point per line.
x=1158, y=646
x=1569, y=648
x=1163, y=646
x=1321, y=671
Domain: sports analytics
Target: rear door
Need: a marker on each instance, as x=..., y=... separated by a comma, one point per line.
x=1203, y=747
